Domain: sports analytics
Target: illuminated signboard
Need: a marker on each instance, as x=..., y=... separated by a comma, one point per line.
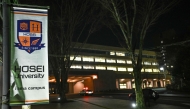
x=29, y=57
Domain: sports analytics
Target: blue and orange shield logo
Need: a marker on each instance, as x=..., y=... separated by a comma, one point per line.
x=29, y=35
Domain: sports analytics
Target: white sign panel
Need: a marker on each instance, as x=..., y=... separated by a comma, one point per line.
x=29, y=57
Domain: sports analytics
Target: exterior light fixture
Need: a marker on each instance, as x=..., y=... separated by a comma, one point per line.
x=73, y=80
x=161, y=68
x=122, y=79
x=94, y=77
x=134, y=105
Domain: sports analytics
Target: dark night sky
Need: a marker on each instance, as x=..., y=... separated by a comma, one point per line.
x=178, y=19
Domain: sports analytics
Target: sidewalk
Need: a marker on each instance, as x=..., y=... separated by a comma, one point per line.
x=98, y=103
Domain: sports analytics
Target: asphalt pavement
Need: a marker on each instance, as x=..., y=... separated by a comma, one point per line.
x=87, y=102
x=98, y=103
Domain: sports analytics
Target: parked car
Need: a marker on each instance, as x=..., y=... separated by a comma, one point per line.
x=86, y=92
x=151, y=93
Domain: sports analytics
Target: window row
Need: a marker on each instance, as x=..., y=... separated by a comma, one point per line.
x=111, y=68
x=127, y=54
x=107, y=60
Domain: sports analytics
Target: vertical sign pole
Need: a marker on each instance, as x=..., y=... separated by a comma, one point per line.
x=6, y=57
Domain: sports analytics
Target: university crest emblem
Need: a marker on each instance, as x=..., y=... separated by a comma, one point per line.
x=23, y=26
x=29, y=35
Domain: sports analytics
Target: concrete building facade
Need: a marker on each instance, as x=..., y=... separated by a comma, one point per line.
x=102, y=68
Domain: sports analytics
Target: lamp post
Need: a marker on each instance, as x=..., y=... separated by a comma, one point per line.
x=164, y=72
x=158, y=82
x=6, y=57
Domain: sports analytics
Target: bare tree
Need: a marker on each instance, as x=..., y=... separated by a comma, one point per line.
x=71, y=21
x=134, y=18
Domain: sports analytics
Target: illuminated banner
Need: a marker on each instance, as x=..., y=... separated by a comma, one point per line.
x=29, y=57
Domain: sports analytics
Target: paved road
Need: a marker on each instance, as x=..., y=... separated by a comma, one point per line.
x=183, y=101
x=76, y=102
x=98, y=103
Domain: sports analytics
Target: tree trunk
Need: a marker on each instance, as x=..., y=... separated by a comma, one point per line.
x=63, y=84
x=138, y=89
x=62, y=95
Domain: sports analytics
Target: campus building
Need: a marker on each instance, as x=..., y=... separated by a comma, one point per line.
x=102, y=68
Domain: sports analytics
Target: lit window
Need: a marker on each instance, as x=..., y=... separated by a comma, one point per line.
x=130, y=69
x=155, y=70
x=120, y=53
x=120, y=61
x=110, y=61
x=154, y=63
x=121, y=69
x=172, y=66
x=147, y=63
x=142, y=70
x=71, y=57
x=148, y=70
x=78, y=58
x=111, y=68
x=89, y=59
x=88, y=67
x=129, y=62
x=112, y=53
x=99, y=59
x=122, y=86
x=101, y=67
x=76, y=66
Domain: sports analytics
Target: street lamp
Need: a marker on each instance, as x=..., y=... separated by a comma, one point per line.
x=162, y=68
